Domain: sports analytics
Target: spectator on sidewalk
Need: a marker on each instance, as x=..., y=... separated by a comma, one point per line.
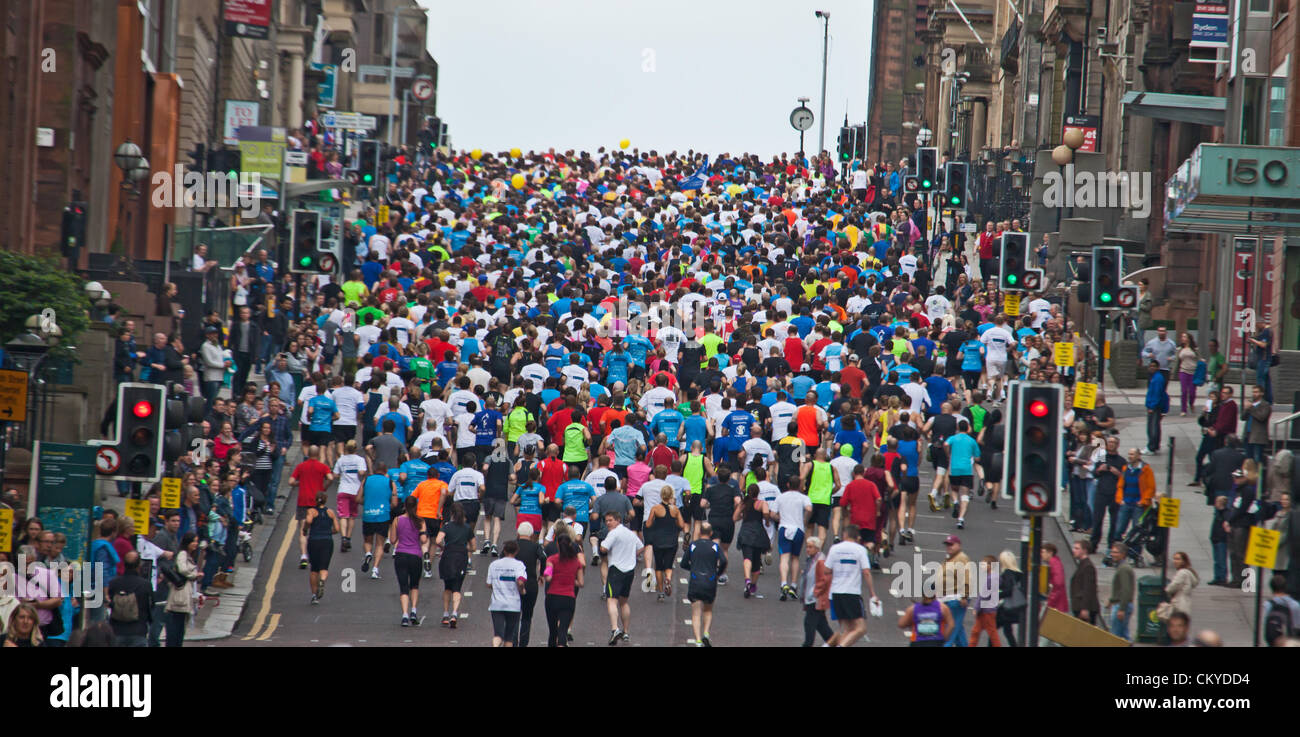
x=1180, y=587
x=1057, y=598
x=1136, y=487
x=1216, y=366
x=1286, y=521
x=1219, y=529
x=1102, y=416
x=1083, y=584
x=244, y=341
x=1243, y=513
x=1160, y=350
x=1262, y=355
x=130, y=625
x=1108, y=471
x=1218, y=472
x=1157, y=405
x=1210, y=442
x=1282, y=616
x=1123, y=585
x=1256, y=430
x=1187, y=361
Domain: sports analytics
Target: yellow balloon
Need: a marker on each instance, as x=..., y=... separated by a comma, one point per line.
x=476, y=154
x=624, y=143
x=518, y=181
x=515, y=152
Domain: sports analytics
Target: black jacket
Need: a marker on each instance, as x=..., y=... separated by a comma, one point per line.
x=1219, y=471
x=139, y=586
x=236, y=336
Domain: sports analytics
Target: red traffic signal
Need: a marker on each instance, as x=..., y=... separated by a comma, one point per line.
x=142, y=409
x=1038, y=408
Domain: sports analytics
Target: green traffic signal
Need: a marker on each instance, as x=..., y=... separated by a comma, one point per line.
x=1011, y=279
x=367, y=177
x=955, y=200
x=925, y=183
x=305, y=261
x=1105, y=297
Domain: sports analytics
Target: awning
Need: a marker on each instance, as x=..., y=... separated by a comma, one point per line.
x=1198, y=109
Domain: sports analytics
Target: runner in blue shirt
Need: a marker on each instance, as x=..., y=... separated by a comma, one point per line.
x=638, y=347
x=377, y=493
x=669, y=422
x=962, y=452
x=576, y=493
x=412, y=473
x=617, y=362
x=486, y=422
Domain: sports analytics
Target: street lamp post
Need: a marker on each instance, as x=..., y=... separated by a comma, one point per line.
x=826, y=40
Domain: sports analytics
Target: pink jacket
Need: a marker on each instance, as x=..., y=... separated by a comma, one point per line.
x=1059, y=597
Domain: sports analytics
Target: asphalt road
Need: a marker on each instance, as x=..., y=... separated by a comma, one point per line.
x=358, y=611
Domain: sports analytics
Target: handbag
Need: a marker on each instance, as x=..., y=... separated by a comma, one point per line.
x=1164, y=610
x=170, y=574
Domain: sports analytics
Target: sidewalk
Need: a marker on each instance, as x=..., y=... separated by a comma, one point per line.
x=1229, y=612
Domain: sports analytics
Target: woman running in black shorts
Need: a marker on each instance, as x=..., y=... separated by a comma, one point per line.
x=456, y=541
x=320, y=526
x=407, y=561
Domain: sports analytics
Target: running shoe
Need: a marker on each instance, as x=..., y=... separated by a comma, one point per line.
x=934, y=502
x=302, y=562
x=496, y=552
x=406, y=621
x=415, y=619
x=613, y=637
x=707, y=642
x=993, y=503
x=767, y=559
x=487, y=548
x=446, y=620
x=961, y=523
x=346, y=547
x=595, y=559
x=315, y=599
x=747, y=591
x=375, y=574
x=365, y=562
x=626, y=636
x=955, y=510
x=783, y=594
x=722, y=580
x=668, y=587
x=699, y=644
x=569, y=636
x=388, y=546
x=452, y=623
x=659, y=599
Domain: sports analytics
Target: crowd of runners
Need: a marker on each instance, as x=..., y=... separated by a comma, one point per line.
x=593, y=369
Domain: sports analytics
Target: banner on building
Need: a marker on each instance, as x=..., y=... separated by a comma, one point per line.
x=1089, y=125
x=1249, y=282
x=328, y=88
x=1209, y=26
x=239, y=113
x=248, y=18
x=261, y=150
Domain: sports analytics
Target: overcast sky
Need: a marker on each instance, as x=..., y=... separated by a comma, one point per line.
x=713, y=75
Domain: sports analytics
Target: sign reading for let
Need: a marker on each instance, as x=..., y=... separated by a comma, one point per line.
x=138, y=511
x=1011, y=304
x=13, y=396
x=171, y=494
x=1262, y=549
x=1085, y=395
x=1063, y=354
x=1169, y=509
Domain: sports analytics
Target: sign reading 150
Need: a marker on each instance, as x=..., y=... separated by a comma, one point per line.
x=1248, y=171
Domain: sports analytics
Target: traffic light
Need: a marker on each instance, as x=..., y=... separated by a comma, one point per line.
x=927, y=167
x=368, y=163
x=860, y=142
x=226, y=161
x=199, y=157
x=184, y=423
x=954, y=184
x=305, y=253
x=1106, y=262
x=1013, y=262
x=847, y=135
x=74, y=229
x=136, y=454
x=1038, y=411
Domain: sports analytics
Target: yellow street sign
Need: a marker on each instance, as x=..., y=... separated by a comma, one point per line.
x=171, y=494
x=1261, y=550
x=1011, y=304
x=1085, y=395
x=138, y=511
x=6, y=530
x=382, y=218
x=1169, y=509
x=1063, y=354
x=13, y=396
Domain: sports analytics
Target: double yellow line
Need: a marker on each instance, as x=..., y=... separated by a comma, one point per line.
x=269, y=593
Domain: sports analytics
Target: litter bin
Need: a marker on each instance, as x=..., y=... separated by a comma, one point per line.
x=1149, y=595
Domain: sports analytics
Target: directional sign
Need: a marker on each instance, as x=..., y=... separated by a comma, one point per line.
x=350, y=121
x=422, y=87
x=1036, y=498
x=13, y=396
x=1169, y=510
x=1011, y=304
x=1262, y=549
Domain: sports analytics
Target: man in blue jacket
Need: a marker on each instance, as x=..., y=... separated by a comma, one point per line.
x=1157, y=405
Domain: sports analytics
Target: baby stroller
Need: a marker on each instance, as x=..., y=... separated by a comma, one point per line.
x=1144, y=535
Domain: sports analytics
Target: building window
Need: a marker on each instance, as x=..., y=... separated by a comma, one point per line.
x=1277, y=104
x=153, y=50
x=379, y=35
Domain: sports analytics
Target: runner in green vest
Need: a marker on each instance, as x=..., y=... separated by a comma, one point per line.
x=576, y=439
x=820, y=478
x=421, y=366
x=695, y=468
x=517, y=424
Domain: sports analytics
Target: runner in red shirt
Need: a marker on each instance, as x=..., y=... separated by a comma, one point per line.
x=852, y=377
x=311, y=477
x=862, y=499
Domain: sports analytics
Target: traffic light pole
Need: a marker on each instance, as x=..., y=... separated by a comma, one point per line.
x=1035, y=595
x=1101, y=349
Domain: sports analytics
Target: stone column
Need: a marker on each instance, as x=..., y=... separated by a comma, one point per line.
x=294, y=106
